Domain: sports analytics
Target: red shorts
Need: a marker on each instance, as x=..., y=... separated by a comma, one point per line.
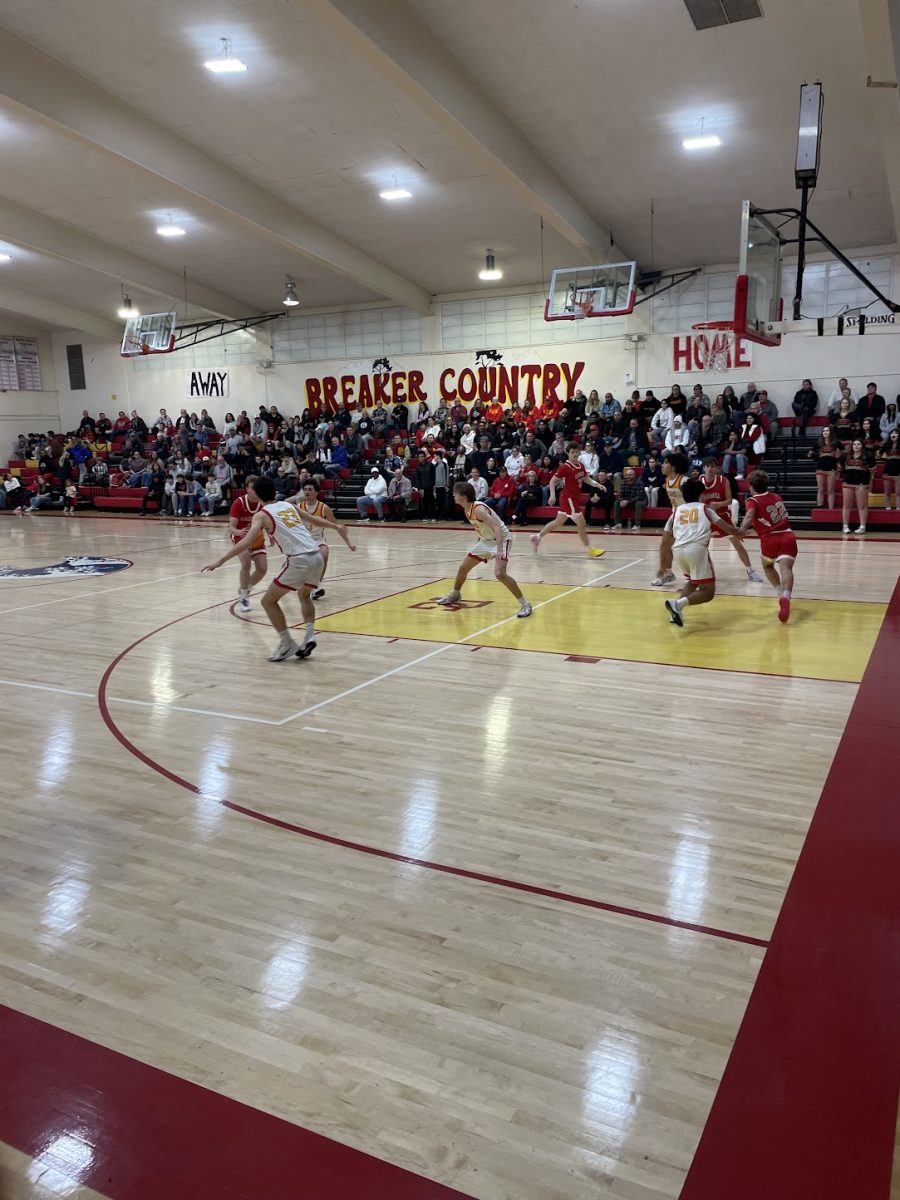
x=778, y=545
x=259, y=548
x=720, y=533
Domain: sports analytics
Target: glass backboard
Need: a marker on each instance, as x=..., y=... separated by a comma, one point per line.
x=601, y=291
x=153, y=333
x=758, y=307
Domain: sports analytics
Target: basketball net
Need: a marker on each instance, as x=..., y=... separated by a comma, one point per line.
x=582, y=305
x=713, y=347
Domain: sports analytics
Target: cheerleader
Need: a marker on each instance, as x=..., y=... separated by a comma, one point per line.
x=890, y=454
x=857, y=476
x=827, y=455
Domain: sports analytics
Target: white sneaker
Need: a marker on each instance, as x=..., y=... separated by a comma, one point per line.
x=616, y=528
x=660, y=580
x=283, y=650
x=606, y=528
x=862, y=529
x=846, y=529
x=525, y=609
x=739, y=477
x=363, y=520
x=450, y=598
x=243, y=603
x=754, y=576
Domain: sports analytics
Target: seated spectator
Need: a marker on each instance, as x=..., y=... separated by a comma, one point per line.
x=515, y=461
x=870, y=405
x=528, y=494
x=138, y=471
x=103, y=428
x=609, y=459
x=609, y=406
x=888, y=422
x=678, y=437
x=99, y=474
x=479, y=483
x=753, y=434
x=768, y=410
x=41, y=494
x=211, y=498
x=602, y=495
x=635, y=444
x=223, y=476
x=695, y=412
x=735, y=458
x=156, y=487
x=399, y=494
x=805, y=404
x=374, y=496
x=677, y=400
x=660, y=424
x=588, y=458
x=630, y=502
x=616, y=428
x=501, y=492
x=121, y=425
x=843, y=389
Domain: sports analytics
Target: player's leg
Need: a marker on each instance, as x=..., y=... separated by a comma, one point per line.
x=311, y=574
x=557, y=523
x=753, y=576
x=271, y=603
x=320, y=591
x=468, y=564
x=783, y=570
x=665, y=574
x=501, y=570
x=258, y=567
x=245, y=560
x=581, y=527
x=862, y=506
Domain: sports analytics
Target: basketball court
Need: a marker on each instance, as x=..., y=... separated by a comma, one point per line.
x=509, y=947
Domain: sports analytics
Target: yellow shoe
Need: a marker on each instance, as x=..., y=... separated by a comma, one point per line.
x=593, y=552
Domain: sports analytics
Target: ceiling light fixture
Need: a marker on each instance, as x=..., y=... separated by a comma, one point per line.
x=291, y=299
x=170, y=229
x=226, y=63
x=127, y=309
x=395, y=193
x=4, y=257
x=702, y=143
x=490, y=270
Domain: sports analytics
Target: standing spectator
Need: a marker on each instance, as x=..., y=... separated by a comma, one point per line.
x=374, y=496
x=652, y=480
x=399, y=493
x=156, y=488
x=80, y=455
x=479, y=483
x=870, y=405
x=441, y=484
x=889, y=421
x=805, y=404
x=630, y=501
x=423, y=482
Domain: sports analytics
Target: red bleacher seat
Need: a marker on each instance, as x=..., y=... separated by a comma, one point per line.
x=877, y=516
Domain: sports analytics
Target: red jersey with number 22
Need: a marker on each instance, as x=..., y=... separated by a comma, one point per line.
x=571, y=474
x=772, y=525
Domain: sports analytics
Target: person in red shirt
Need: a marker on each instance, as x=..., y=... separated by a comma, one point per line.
x=494, y=413
x=571, y=474
x=767, y=513
x=253, y=561
x=501, y=492
x=717, y=496
x=121, y=425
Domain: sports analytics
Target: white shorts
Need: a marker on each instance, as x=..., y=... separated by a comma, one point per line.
x=488, y=550
x=693, y=561
x=301, y=570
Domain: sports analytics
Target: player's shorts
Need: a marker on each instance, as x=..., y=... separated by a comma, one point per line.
x=721, y=533
x=487, y=550
x=301, y=570
x=693, y=561
x=259, y=548
x=777, y=546
x=568, y=507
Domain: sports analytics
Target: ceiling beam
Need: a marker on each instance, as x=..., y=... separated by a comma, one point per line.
x=28, y=305
x=46, y=90
x=880, y=21
x=33, y=230
x=401, y=47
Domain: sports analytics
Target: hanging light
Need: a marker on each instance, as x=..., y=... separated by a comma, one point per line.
x=170, y=229
x=226, y=63
x=127, y=309
x=396, y=192
x=290, y=294
x=490, y=270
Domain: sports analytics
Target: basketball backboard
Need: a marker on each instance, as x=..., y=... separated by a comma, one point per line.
x=601, y=291
x=153, y=333
x=758, y=306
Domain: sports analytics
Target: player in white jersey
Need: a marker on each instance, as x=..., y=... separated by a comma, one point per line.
x=690, y=526
x=302, y=568
x=309, y=504
x=494, y=542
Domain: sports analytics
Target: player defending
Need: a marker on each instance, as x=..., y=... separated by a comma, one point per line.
x=494, y=543
x=571, y=474
x=253, y=561
x=302, y=568
x=717, y=494
x=675, y=469
x=309, y=503
x=767, y=513
x=691, y=527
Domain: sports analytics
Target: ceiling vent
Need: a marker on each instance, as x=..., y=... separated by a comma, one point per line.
x=706, y=14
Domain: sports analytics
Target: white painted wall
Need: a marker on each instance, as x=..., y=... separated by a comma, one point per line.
x=115, y=383
x=27, y=412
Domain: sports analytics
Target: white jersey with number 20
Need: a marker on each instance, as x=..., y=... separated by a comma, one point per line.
x=690, y=525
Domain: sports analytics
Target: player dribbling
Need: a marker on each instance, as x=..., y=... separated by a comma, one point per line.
x=494, y=543
x=767, y=513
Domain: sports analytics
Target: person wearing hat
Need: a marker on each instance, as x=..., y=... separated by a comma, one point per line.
x=374, y=496
x=678, y=436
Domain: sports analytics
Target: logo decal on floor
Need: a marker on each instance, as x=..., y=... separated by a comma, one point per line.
x=455, y=607
x=80, y=565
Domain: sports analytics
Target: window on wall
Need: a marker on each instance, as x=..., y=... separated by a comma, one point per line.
x=515, y=321
x=368, y=333
x=829, y=288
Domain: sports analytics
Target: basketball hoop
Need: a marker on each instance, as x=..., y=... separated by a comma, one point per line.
x=713, y=345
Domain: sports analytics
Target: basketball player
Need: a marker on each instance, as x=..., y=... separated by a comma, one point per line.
x=571, y=474
x=717, y=494
x=691, y=526
x=767, y=513
x=302, y=568
x=494, y=542
x=309, y=503
x=675, y=468
x=253, y=561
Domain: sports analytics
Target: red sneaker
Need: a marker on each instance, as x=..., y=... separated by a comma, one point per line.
x=784, y=608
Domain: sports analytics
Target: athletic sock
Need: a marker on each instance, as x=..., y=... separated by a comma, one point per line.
x=243, y=593
x=681, y=603
x=285, y=638
x=309, y=630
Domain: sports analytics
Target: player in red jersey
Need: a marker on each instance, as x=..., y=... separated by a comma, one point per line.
x=253, y=561
x=717, y=496
x=571, y=474
x=767, y=514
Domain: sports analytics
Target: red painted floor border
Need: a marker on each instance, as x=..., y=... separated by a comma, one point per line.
x=148, y=1135
x=376, y=851
x=807, y=1106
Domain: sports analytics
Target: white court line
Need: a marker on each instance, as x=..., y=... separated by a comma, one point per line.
x=304, y=712
x=104, y=592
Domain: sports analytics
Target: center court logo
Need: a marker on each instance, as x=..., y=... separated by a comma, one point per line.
x=457, y=605
x=79, y=565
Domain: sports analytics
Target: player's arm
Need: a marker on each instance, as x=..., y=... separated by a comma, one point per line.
x=322, y=522
x=554, y=480
x=233, y=524
x=748, y=519
x=491, y=519
x=714, y=519
x=257, y=528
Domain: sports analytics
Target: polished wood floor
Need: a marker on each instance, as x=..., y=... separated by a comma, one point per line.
x=559, y=1038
